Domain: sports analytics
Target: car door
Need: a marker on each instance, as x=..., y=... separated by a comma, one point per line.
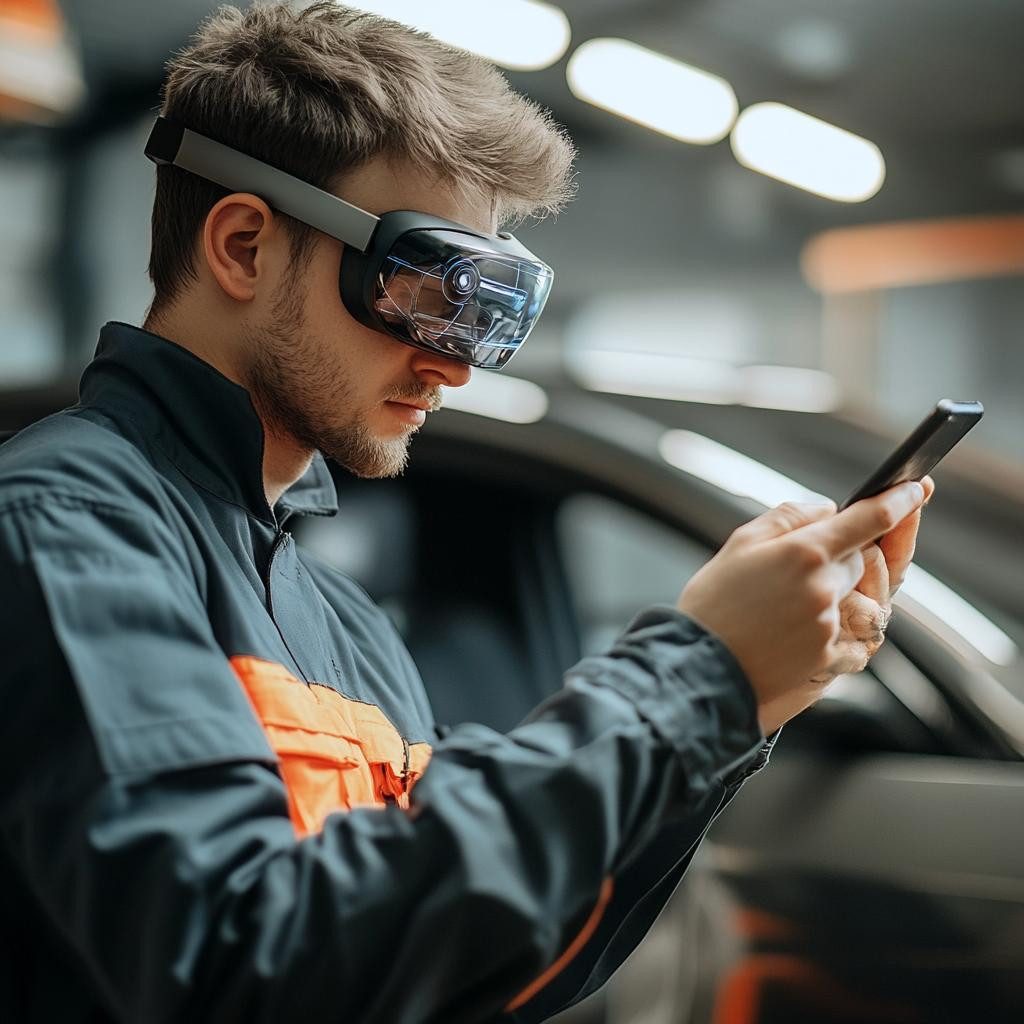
x=870, y=873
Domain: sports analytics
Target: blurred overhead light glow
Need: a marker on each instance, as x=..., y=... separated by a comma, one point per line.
x=874, y=257
x=653, y=90
x=711, y=381
x=523, y=35
x=652, y=375
x=815, y=48
x=40, y=74
x=730, y=470
x=500, y=397
x=794, y=388
x=814, y=155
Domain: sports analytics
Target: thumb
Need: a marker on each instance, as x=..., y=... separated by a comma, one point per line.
x=783, y=519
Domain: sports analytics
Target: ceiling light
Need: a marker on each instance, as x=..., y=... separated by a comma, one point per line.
x=500, y=397
x=711, y=381
x=814, y=155
x=523, y=35
x=653, y=90
x=652, y=375
x=793, y=388
x=40, y=74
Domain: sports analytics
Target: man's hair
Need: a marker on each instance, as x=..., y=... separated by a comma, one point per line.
x=320, y=91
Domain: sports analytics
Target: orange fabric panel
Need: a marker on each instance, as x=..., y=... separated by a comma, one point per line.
x=738, y=1000
x=335, y=753
x=570, y=953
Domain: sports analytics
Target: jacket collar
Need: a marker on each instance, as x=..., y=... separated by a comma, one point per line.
x=205, y=423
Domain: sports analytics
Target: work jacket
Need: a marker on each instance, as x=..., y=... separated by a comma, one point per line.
x=223, y=797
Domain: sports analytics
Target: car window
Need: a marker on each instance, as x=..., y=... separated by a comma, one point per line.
x=619, y=560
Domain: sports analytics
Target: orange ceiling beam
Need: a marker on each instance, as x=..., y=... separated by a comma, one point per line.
x=877, y=257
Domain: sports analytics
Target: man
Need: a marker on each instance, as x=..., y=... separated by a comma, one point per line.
x=224, y=797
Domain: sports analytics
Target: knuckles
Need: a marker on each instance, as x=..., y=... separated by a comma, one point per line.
x=808, y=555
x=821, y=600
x=788, y=510
x=887, y=518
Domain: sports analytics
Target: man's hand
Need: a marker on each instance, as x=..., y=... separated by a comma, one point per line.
x=865, y=611
x=772, y=594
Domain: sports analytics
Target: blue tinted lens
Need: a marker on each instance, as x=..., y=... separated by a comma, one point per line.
x=437, y=289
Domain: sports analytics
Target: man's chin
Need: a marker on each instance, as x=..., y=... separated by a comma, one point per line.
x=375, y=460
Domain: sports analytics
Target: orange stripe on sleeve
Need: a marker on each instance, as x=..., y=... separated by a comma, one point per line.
x=571, y=952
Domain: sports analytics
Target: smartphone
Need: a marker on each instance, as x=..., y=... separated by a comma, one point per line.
x=923, y=449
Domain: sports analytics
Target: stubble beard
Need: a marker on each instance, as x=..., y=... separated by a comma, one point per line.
x=299, y=395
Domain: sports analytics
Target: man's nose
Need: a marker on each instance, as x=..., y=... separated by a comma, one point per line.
x=438, y=369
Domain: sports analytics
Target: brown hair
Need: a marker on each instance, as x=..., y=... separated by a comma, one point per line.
x=320, y=91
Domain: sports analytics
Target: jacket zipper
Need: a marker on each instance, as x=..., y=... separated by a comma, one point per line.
x=406, y=765
x=279, y=542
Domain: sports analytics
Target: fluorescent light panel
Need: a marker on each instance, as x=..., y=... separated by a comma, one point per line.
x=500, y=397
x=710, y=381
x=523, y=35
x=653, y=90
x=811, y=154
x=653, y=375
x=38, y=67
x=793, y=388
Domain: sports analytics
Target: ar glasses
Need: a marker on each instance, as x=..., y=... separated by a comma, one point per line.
x=427, y=281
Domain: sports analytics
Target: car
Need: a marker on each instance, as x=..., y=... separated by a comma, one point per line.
x=870, y=873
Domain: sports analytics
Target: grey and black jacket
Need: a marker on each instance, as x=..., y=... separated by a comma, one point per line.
x=222, y=794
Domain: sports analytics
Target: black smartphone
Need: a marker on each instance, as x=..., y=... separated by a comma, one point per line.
x=923, y=449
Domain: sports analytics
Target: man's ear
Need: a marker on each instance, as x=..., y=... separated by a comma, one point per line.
x=237, y=234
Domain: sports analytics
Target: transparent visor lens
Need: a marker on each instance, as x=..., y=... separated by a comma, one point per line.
x=476, y=306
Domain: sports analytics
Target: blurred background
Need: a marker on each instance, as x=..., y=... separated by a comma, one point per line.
x=888, y=276
x=798, y=225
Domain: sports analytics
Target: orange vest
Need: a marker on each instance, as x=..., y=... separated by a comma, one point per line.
x=334, y=753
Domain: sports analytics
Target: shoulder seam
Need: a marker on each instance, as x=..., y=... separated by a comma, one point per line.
x=67, y=500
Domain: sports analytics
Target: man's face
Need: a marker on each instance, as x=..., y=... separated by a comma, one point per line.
x=320, y=377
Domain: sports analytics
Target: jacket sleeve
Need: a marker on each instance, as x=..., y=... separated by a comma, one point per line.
x=643, y=887
x=142, y=808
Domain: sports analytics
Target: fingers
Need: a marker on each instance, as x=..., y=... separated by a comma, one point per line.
x=784, y=519
x=875, y=581
x=899, y=544
x=898, y=548
x=865, y=521
x=862, y=620
x=848, y=657
x=851, y=569
x=833, y=581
